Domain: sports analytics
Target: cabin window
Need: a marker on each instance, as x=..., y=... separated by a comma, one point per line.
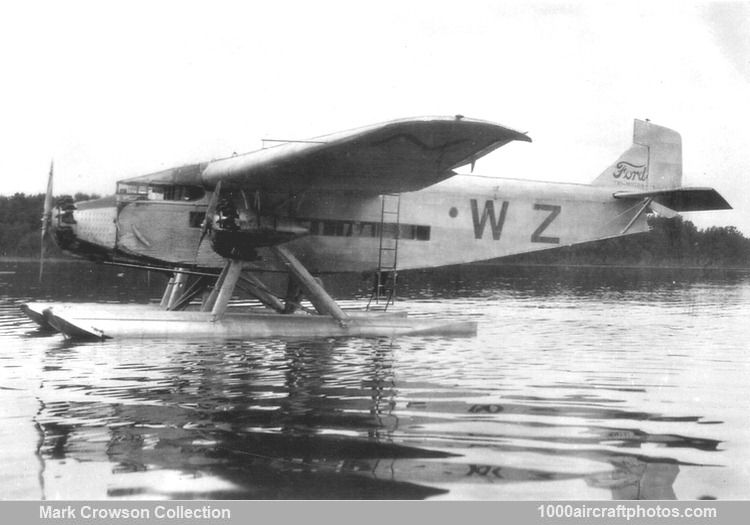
x=155, y=193
x=365, y=229
x=196, y=219
x=183, y=193
x=390, y=230
x=173, y=193
x=160, y=192
x=194, y=193
x=347, y=229
x=127, y=189
x=406, y=231
x=368, y=229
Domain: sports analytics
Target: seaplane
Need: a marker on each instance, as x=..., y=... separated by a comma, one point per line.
x=377, y=200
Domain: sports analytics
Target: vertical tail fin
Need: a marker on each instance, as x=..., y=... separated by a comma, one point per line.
x=654, y=161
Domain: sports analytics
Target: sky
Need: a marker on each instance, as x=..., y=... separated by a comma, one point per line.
x=111, y=90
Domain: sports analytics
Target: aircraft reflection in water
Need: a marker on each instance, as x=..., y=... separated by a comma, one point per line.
x=256, y=432
x=309, y=420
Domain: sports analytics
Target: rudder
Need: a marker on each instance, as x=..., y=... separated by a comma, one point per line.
x=654, y=161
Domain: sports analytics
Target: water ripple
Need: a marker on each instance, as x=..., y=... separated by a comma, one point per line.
x=577, y=386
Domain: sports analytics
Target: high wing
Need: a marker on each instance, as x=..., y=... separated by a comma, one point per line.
x=681, y=199
x=397, y=156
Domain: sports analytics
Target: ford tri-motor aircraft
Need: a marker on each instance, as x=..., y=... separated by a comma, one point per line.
x=378, y=200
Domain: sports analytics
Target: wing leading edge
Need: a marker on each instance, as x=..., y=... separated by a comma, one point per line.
x=397, y=156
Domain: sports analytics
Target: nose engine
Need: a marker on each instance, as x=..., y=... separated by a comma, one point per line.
x=63, y=225
x=86, y=229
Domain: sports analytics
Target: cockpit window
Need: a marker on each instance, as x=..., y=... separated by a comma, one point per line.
x=158, y=192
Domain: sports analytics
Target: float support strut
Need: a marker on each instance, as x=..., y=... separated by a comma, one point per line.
x=320, y=299
x=231, y=275
x=260, y=292
x=167, y=292
x=176, y=292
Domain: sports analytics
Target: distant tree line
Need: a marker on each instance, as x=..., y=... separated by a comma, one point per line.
x=672, y=242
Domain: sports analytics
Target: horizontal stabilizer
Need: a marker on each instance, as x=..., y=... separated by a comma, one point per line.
x=681, y=199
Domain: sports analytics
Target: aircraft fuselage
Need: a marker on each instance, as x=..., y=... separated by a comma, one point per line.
x=461, y=220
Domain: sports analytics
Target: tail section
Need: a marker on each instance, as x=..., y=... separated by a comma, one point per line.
x=651, y=169
x=654, y=161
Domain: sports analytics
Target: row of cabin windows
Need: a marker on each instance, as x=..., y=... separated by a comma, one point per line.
x=348, y=228
x=160, y=193
x=367, y=229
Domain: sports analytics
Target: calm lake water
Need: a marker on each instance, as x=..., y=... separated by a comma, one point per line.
x=581, y=384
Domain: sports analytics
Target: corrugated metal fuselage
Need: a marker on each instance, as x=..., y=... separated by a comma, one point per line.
x=461, y=220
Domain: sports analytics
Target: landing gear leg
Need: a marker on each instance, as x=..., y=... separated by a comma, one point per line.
x=300, y=282
x=167, y=293
x=180, y=279
x=218, y=301
x=293, y=295
x=180, y=290
x=320, y=299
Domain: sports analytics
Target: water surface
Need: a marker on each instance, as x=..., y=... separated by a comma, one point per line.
x=581, y=384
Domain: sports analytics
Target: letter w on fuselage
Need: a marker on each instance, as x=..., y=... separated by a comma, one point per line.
x=488, y=212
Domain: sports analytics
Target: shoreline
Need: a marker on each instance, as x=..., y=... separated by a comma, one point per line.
x=614, y=266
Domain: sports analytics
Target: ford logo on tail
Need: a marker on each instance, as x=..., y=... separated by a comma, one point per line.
x=627, y=171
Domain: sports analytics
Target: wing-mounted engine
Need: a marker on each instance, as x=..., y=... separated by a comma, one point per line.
x=238, y=231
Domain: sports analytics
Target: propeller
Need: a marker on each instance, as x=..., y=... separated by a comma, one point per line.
x=213, y=203
x=46, y=218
